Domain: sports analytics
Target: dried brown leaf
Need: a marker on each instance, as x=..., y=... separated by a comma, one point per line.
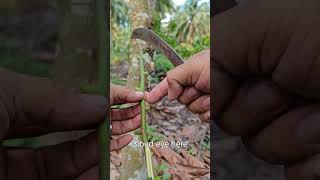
x=192, y=133
x=168, y=154
x=191, y=160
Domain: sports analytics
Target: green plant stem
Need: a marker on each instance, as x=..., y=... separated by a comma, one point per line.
x=144, y=123
x=102, y=16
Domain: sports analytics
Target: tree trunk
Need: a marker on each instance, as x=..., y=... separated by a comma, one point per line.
x=140, y=16
x=134, y=166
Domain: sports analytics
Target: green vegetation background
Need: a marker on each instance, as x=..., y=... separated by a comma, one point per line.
x=186, y=28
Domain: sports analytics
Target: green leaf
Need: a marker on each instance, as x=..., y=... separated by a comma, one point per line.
x=166, y=176
x=161, y=167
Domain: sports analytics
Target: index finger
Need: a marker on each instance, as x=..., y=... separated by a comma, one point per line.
x=158, y=92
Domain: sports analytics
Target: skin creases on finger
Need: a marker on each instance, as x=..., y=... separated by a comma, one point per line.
x=279, y=142
x=255, y=105
x=203, y=82
x=158, y=92
x=200, y=105
x=180, y=77
x=175, y=89
x=309, y=169
x=121, y=127
x=205, y=117
x=121, y=142
x=188, y=95
x=224, y=88
x=124, y=114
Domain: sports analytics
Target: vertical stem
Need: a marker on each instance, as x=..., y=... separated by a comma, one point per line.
x=144, y=123
x=140, y=17
x=143, y=105
x=102, y=17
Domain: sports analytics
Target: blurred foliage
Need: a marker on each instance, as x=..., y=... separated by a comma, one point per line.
x=153, y=136
x=120, y=31
x=119, y=12
x=162, y=7
x=191, y=21
x=186, y=28
x=164, y=170
x=162, y=64
x=120, y=43
x=116, y=80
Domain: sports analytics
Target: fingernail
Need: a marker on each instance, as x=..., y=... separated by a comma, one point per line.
x=205, y=117
x=94, y=100
x=208, y=115
x=206, y=102
x=139, y=94
x=309, y=130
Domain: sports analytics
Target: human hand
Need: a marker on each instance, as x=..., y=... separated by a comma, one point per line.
x=266, y=81
x=128, y=119
x=36, y=106
x=189, y=83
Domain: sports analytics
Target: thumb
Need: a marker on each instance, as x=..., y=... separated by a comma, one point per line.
x=158, y=92
x=122, y=95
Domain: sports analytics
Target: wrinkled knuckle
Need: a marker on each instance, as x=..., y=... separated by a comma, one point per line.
x=192, y=108
x=114, y=130
x=132, y=112
x=203, y=84
x=202, y=118
x=206, y=117
x=182, y=100
x=170, y=76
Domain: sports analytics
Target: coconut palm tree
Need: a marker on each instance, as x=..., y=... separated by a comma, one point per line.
x=191, y=21
x=163, y=7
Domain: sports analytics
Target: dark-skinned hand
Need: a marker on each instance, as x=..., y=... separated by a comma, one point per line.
x=35, y=106
x=266, y=81
x=188, y=83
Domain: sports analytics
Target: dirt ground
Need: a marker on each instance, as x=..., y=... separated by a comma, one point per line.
x=172, y=122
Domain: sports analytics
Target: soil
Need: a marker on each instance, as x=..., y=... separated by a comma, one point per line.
x=173, y=123
x=232, y=161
